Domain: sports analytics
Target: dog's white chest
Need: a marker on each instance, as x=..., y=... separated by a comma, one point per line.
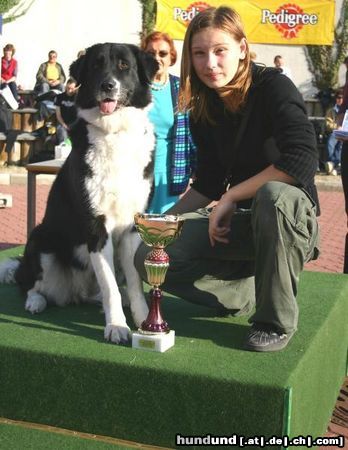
x=117, y=188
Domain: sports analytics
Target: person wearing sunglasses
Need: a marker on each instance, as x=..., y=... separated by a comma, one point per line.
x=175, y=152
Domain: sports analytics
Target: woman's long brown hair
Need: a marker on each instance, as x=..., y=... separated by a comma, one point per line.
x=194, y=94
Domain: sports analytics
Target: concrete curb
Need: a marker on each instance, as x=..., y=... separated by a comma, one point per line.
x=21, y=178
x=328, y=183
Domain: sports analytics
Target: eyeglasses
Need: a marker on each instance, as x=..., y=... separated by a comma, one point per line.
x=161, y=53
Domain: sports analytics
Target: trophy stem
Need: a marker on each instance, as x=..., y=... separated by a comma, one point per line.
x=154, y=322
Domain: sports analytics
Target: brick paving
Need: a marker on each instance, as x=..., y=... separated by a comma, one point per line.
x=333, y=226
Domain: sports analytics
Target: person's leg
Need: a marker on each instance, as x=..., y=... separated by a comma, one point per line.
x=337, y=154
x=62, y=134
x=44, y=87
x=286, y=236
x=211, y=276
x=285, y=232
x=329, y=165
x=12, y=85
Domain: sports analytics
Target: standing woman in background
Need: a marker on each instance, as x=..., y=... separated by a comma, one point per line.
x=9, y=69
x=174, y=152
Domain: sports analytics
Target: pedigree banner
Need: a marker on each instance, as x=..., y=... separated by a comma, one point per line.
x=266, y=21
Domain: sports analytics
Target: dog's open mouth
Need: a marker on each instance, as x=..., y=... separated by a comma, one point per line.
x=108, y=106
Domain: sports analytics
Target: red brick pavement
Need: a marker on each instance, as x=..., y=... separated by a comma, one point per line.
x=333, y=226
x=13, y=221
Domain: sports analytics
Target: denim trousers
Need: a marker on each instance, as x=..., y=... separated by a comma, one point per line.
x=261, y=264
x=334, y=149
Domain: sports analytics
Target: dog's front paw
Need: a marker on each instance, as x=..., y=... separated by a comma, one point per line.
x=118, y=334
x=35, y=303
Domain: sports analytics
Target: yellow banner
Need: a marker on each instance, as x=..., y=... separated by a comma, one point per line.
x=302, y=22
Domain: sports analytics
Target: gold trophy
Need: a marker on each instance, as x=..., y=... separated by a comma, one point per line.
x=157, y=231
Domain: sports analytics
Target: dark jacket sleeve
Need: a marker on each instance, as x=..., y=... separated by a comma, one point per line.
x=41, y=73
x=291, y=129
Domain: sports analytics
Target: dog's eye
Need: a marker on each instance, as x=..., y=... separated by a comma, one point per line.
x=123, y=65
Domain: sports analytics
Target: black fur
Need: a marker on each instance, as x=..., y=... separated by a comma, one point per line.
x=69, y=220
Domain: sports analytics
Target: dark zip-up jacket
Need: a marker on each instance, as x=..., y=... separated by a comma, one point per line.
x=271, y=128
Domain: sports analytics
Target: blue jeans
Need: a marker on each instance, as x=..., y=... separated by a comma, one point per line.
x=334, y=149
x=42, y=88
x=62, y=133
x=13, y=86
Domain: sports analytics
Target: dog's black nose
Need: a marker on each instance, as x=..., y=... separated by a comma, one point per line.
x=108, y=86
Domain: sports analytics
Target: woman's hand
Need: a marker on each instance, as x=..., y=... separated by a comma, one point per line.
x=220, y=220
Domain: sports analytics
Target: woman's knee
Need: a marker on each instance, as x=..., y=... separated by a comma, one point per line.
x=264, y=209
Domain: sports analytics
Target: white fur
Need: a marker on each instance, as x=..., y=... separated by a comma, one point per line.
x=120, y=147
x=7, y=270
x=63, y=286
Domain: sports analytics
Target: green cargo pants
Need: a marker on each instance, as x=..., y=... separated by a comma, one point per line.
x=268, y=246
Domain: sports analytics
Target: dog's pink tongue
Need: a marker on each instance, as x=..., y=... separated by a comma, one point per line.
x=107, y=106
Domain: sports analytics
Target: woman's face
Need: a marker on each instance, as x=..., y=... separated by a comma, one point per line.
x=160, y=50
x=215, y=56
x=8, y=54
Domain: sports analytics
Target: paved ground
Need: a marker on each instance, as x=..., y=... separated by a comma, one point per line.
x=333, y=225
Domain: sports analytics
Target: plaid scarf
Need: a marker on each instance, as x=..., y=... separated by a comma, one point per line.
x=183, y=154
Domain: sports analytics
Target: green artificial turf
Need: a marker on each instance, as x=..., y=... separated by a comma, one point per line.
x=11, y=252
x=18, y=437
x=56, y=369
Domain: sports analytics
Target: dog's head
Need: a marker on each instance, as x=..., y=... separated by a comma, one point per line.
x=112, y=76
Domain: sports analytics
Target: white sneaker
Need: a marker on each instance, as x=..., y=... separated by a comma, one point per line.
x=329, y=167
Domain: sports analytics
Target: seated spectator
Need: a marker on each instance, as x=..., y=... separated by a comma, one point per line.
x=50, y=75
x=279, y=64
x=9, y=69
x=334, y=147
x=65, y=110
x=345, y=62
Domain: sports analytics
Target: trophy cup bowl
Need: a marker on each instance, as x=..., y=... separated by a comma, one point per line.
x=157, y=231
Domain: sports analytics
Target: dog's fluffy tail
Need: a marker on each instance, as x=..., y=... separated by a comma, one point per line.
x=8, y=269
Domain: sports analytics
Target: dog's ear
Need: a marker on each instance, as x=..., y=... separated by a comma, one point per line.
x=147, y=65
x=76, y=68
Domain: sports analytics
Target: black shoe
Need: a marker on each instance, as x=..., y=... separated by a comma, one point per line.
x=264, y=338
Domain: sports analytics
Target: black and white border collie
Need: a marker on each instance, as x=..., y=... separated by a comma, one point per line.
x=107, y=178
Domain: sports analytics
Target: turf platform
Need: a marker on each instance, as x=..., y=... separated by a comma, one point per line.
x=56, y=370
